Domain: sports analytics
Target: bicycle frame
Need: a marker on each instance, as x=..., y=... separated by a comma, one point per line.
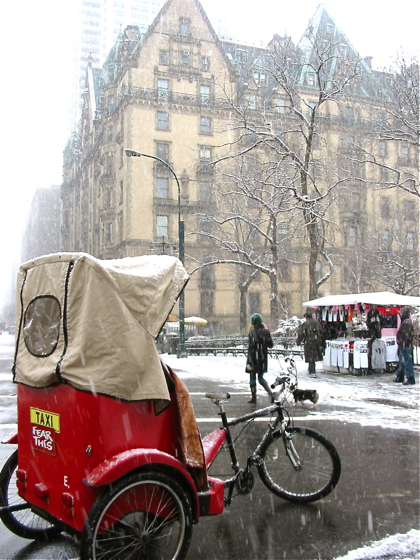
x=242, y=478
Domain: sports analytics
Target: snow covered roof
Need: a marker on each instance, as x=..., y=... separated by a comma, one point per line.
x=372, y=298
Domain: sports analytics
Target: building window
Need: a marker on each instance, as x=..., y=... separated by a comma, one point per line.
x=161, y=226
x=410, y=210
x=385, y=238
x=260, y=78
x=163, y=87
x=410, y=184
x=349, y=114
x=404, y=154
x=205, y=153
x=162, y=120
x=204, y=191
x=384, y=208
x=254, y=302
x=311, y=79
x=109, y=233
x=207, y=278
x=205, y=95
x=162, y=187
x=411, y=241
x=355, y=202
x=185, y=57
x=279, y=106
x=163, y=58
x=162, y=151
x=241, y=55
x=252, y=101
x=121, y=192
x=120, y=227
x=205, y=125
x=352, y=236
x=382, y=148
x=205, y=64
x=184, y=26
x=384, y=175
x=207, y=304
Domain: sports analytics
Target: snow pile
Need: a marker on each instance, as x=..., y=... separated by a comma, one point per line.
x=404, y=547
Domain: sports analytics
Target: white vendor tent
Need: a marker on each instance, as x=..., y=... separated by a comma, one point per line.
x=372, y=298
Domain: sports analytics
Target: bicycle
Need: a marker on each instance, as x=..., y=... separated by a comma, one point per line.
x=296, y=463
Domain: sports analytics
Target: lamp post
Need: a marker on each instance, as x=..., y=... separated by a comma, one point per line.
x=182, y=350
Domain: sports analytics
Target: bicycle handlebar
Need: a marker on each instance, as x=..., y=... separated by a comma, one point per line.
x=218, y=396
x=280, y=379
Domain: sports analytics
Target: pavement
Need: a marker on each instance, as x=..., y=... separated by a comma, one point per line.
x=377, y=495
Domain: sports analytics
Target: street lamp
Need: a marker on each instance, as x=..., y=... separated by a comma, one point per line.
x=182, y=350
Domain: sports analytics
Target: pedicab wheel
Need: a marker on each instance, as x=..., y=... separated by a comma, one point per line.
x=303, y=466
x=25, y=523
x=142, y=516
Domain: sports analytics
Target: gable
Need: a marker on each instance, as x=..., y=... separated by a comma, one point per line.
x=183, y=30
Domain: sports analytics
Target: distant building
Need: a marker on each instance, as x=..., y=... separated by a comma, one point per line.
x=43, y=229
x=97, y=25
x=177, y=92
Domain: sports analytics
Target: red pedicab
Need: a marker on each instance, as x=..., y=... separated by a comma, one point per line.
x=108, y=447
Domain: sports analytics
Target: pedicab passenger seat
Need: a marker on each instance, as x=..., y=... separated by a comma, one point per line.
x=198, y=454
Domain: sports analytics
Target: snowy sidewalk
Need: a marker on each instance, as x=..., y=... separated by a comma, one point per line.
x=372, y=400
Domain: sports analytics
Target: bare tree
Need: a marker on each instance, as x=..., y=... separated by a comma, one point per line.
x=395, y=124
x=249, y=232
x=282, y=125
x=388, y=255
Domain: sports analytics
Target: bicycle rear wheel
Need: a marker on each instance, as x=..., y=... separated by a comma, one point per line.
x=303, y=466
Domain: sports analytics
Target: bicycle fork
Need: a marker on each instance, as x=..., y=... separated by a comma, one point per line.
x=287, y=439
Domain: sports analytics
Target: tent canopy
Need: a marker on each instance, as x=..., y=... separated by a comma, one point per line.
x=195, y=321
x=92, y=323
x=383, y=299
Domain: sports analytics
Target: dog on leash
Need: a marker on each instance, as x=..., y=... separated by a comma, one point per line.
x=301, y=395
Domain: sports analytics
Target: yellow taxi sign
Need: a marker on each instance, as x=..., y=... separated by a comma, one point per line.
x=45, y=418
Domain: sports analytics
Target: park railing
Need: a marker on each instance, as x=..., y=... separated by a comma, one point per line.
x=236, y=346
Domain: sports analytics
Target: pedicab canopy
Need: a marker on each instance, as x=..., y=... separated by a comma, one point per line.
x=91, y=323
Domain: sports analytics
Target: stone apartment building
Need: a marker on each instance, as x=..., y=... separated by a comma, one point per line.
x=314, y=198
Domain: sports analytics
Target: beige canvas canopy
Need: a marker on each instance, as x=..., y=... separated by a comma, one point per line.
x=92, y=323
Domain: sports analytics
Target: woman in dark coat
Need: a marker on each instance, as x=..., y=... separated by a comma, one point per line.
x=311, y=334
x=259, y=340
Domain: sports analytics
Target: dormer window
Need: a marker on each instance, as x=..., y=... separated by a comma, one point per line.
x=311, y=79
x=241, y=55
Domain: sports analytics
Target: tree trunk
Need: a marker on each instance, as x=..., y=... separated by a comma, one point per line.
x=243, y=311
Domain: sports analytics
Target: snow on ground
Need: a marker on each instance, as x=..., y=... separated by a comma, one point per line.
x=373, y=400
x=404, y=547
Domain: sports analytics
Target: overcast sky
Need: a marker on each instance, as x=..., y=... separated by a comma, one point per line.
x=34, y=47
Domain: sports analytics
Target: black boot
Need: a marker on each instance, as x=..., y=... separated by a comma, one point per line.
x=267, y=388
x=253, y=394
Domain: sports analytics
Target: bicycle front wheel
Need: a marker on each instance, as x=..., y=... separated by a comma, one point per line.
x=300, y=466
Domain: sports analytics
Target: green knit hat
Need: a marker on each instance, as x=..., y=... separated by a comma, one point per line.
x=256, y=319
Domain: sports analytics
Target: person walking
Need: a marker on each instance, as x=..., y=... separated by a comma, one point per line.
x=259, y=340
x=310, y=333
x=405, y=337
